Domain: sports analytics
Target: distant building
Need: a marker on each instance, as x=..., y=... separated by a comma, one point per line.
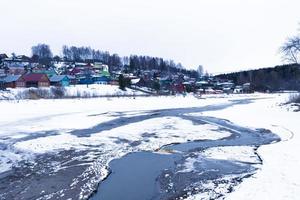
x=246, y=87
x=3, y=56
x=204, y=85
x=178, y=88
x=100, y=68
x=49, y=72
x=83, y=73
x=33, y=80
x=10, y=81
x=101, y=79
x=72, y=80
x=60, y=80
x=166, y=83
x=101, y=73
x=16, y=62
x=238, y=89
x=16, y=70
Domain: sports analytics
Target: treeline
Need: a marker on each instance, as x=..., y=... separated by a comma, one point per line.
x=284, y=77
x=134, y=63
x=87, y=54
x=138, y=63
x=131, y=64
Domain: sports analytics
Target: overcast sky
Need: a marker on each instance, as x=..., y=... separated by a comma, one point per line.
x=221, y=35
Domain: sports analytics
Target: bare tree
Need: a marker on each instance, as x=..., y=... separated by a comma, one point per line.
x=291, y=50
x=200, y=70
x=67, y=54
x=43, y=52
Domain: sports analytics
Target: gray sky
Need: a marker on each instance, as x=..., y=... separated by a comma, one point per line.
x=221, y=35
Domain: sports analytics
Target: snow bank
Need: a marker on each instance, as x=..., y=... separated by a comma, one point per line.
x=98, y=90
x=279, y=177
x=78, y=91
x=236, y=153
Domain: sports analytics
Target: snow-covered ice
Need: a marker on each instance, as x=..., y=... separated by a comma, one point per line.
x=29, y=128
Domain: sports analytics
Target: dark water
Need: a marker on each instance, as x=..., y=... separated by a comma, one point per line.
x=152, y=176
x=134, y=176
x=146, y=175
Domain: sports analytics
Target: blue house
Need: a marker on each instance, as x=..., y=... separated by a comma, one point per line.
x=60, y=80
x=11, y=80
x=85, y=81
x=101, y=79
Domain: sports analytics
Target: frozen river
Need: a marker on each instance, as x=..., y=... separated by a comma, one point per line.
x=167, y=153
x=152, y=175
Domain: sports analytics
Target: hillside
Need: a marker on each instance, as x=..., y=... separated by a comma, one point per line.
x=283, y=77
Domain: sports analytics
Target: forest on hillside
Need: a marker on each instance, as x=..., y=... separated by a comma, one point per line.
x=283, y=77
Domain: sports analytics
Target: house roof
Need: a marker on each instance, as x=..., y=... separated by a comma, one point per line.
x=24, y=58
x=34, y=77
x=15, y=60
x=75, y=70
x=49, y=71
x=71, y=77
x=58, y=78
x=202, y=82
x=11, y=78
x=3, y=55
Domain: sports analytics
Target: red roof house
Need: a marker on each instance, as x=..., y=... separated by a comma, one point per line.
x=33, y=80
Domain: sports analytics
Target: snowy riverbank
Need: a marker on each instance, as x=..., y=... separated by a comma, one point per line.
x=279, y=177
x=76, y=91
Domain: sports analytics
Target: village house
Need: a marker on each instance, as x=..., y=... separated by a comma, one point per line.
x=44, y=70
x=3, y=56
x=189, y=86
x=63, y=67
x=33, y=80
x=99, y=68
x=10, y=81
x=19, y=61
x=60, y=80
x=227, y=87
x=166, y=83
x=144, y=81
x=15, y=70
x=101, y=79
x=86, y=73
x=247, y=88
x=101, y=73
x=178, y=88
x=238, y=89
x=16, y=65
x=72, y=80
x=83, y=73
